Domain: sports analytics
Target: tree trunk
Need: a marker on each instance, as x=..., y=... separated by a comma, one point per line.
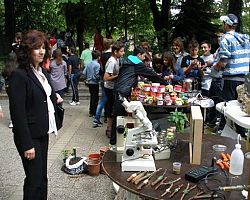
x=161, y=21
x=9, y=21
x=79, y=34
x=235, y=7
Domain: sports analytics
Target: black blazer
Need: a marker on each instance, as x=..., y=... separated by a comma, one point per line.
x=28, y=107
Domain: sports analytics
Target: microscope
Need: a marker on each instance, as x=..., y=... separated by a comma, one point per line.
x=140, y=137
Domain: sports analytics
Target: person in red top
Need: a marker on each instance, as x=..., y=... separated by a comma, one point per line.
x=52, y=40
x=98, y=40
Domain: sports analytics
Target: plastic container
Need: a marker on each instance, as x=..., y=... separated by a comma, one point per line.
x=237, y=160
x=218, y=149
x=161, y=89
x=146, y=88
x=176, y=167
x=154, y=89
x=177, y=88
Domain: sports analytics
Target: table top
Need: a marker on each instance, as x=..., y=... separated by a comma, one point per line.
x=112, y=167
x=168, y=106
x=233, y=111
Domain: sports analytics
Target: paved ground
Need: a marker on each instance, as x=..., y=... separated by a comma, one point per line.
x=77, y=132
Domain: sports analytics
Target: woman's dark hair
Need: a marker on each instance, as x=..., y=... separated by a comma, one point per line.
x=10, y=65
x=31, y=40
x=171, y=60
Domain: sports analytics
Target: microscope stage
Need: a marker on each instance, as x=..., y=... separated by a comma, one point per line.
x=140, y=164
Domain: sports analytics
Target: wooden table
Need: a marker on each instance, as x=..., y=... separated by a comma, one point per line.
x=112, y=168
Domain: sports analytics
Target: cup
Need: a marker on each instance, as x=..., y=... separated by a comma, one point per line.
x=176, y=167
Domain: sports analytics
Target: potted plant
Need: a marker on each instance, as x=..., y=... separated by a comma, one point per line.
x=179, y=119
x=66, y=154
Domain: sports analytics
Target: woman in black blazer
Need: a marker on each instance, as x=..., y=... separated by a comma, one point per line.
x=32, y=110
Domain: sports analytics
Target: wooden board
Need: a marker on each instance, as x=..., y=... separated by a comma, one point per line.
x=195, y=138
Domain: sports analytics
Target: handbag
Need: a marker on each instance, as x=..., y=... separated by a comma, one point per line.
x=60, y=116
x=203, y=102
x=80, y=165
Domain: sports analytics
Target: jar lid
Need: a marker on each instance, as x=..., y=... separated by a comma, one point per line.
x=219, y=147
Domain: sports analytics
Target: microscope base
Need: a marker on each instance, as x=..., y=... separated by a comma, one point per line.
x=140, y=164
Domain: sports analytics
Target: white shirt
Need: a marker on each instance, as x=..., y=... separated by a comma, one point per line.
x=112, y=67
x=51, y=110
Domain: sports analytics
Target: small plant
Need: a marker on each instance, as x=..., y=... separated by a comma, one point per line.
x=179, y=119
x=66, y=153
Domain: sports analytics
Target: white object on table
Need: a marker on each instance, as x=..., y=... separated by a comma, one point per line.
x=233, y=113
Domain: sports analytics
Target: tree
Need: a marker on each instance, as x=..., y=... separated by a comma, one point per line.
x=75, y=19
x=36, y=14
x=194, y=20
x=235, y=7
x=9, y=22
x=161, y=15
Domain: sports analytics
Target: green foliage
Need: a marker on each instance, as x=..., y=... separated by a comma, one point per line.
x=246, y=17
x=36, y=14
x=194, y=20
x=197, y=18
x=179, y=119
x=66, y=153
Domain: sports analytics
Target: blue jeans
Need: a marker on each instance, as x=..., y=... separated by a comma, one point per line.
x=74, y=84
x=101, y=104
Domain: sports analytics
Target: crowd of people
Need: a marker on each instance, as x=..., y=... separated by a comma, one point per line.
x=40, y=70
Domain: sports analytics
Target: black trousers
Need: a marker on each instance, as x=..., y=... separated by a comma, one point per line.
x=94, y=97
x=215, y=93
x=110, y=101
x=118, y=110
x=36, y=181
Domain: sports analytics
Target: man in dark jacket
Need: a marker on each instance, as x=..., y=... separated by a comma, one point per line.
x=130, y=69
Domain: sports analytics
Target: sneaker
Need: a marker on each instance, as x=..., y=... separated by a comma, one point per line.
x=96, y=121
x=112, y=147
x=72, y=103
x=95, y=125
x=10, y=124
x=78, y=103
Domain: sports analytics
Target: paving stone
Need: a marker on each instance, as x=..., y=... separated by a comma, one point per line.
x=76, y=132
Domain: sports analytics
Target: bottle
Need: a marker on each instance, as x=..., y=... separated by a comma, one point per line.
x=237, y=160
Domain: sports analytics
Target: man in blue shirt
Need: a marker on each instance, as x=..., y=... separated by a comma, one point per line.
x=91, y=72
x=234, y=58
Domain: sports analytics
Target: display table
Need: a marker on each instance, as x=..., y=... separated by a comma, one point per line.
x=158, y=109
x=112, y=167
x=233, y=113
